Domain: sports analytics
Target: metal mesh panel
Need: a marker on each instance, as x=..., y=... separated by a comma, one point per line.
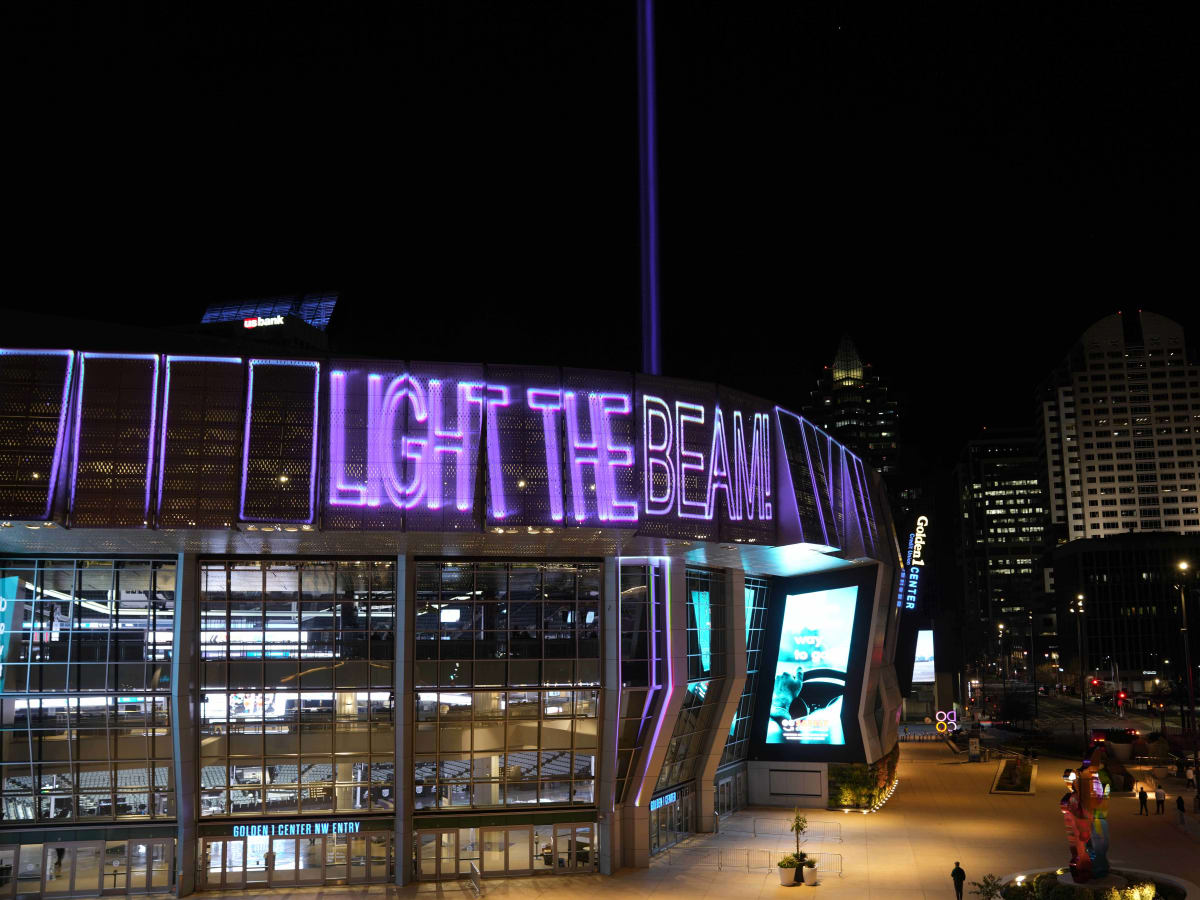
x=449, y=470
x=807, y=484
x=352, y=488
x=684, y=517
x=280, y=441
x=34, y=392
x=114, y=440
x=592, y=404
x=200, y=463
x=518, y=489
x=748, y=420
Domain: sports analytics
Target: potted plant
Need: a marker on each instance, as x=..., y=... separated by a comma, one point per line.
x=787, y=869
x=798, y=827
x=810, y=871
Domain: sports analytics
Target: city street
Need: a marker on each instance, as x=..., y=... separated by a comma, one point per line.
x=1061, y=713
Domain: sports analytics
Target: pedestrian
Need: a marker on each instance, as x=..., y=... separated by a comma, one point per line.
x=1196, y=803
x=1142, y=798
x=1160, y=800
x=958, y=876
x=1181, y=808
x=1191, y=777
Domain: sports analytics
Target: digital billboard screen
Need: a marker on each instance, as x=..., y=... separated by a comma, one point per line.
x=810, y=669
x=923, y=661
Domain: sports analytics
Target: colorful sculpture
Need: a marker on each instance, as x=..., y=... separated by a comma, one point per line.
x=1085, y=815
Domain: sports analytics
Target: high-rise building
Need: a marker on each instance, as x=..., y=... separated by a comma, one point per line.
x=1119, y=421
x=852, y=404
x=1001, y=529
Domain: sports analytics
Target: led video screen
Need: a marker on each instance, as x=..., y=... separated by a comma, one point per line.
x=810, y=670
x=923, y=661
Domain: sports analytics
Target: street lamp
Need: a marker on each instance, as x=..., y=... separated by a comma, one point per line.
x=1187, y=650
x=1076, y=609
x=1032, y=655
x=1003, y=664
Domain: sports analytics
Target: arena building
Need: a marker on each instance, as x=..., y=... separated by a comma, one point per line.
x=299, y=620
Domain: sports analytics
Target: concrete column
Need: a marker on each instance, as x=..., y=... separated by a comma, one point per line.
x=406, y=591
x=635, y=820
x=731, y=696
x=610, y=704
x=185, y=713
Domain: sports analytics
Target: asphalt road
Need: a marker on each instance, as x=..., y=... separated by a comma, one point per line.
x=1062, y=714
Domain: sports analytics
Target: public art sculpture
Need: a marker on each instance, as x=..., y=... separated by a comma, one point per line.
x=1085, y=814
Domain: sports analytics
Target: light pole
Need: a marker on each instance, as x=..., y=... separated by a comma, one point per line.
x=1187, y=654
x=1033, y=656
x=1003, y=666
x=1077, y=609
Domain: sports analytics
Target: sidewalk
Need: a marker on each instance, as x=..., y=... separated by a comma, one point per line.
x=941, y=812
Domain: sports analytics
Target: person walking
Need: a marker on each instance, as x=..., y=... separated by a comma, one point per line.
x=1160, y=800
x=958, y=876
x=1142, y=798
x=1181, y=808
x=1191, y=777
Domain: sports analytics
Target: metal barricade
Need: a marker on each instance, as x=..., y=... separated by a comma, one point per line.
x=746, y=859
x=476, y=881
x=816, y=831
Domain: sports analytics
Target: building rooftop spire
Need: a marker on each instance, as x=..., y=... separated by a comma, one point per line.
x=847, y=364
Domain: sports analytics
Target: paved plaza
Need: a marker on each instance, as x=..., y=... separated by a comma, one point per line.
x=941, y=812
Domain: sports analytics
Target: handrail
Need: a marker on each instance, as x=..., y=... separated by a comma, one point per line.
x=476, y=880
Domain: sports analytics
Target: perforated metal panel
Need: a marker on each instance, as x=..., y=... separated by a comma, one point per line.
x=449, y=468
x=115, y=418
x=597, y=410
x=832, y=498
x=365, y=480
x=280, y=442
x=689, y=445
x=34, y=398
x=200, y=460
x=747, y=421
x=518, y=488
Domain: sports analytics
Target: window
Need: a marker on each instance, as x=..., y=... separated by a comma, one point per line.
x=296, y=709
x=86, y=725
x=507, y=673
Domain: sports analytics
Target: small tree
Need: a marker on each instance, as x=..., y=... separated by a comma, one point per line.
x=799, y=826
x=988, y=889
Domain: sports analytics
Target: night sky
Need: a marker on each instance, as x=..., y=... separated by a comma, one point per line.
x=964, y=187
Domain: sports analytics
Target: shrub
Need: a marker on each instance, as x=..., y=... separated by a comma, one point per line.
x=1044, y=885
x=988, y=889
x=789, y=862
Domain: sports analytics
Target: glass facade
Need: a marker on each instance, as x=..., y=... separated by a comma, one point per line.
x=643, y=618
x=737, y=744
x=296, y=710
x=85, y=680
x=507, y=674
x=706, y=669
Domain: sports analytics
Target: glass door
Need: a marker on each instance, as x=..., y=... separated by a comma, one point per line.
x=520, y=851
x=282, y=866
x=89, y=859
x=56, y=870
x=379, y=846
x=257, y=848
x=224, y=863
x=357, y=859
x=29, y=870
x=492, y=860
x=8, y=869
x=160, y=865
x=336, y=855
x=114, y=880
x=310, y=860
x=437, y=855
